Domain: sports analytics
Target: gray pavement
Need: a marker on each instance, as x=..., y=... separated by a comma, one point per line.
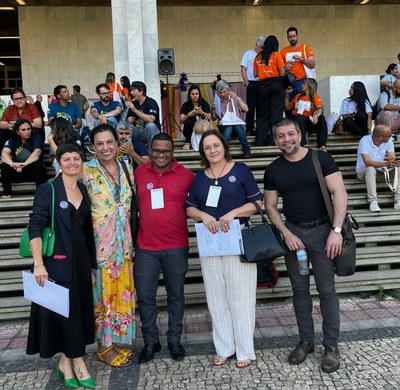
x=369, y=346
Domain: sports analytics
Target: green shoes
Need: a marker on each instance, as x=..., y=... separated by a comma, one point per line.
x=71, y=383
x=87, y=383
x=74, y=383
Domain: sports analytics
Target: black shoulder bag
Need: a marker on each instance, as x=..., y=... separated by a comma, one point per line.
x=345, y=263
x=261, y=242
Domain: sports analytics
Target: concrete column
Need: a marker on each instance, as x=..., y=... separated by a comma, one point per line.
x=135, y=38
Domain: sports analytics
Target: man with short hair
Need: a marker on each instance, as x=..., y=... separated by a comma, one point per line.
x=390, y=108
x=162, y=187
x=133, y=152
x=297, y=56
x=21, y=109
x=143, y=113
x=372, y=152
x=80, y=100
x=38, y=104
x=105, y=111
x=307, y=225
x=64, y=108
x=251, y=82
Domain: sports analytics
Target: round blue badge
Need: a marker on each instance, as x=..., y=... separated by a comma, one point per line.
x=232, y=179
x=64, y=204
x=150, y=186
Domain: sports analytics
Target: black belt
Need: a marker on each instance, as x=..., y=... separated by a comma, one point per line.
x=309, y=225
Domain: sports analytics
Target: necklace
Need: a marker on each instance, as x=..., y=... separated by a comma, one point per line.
x=217, y=178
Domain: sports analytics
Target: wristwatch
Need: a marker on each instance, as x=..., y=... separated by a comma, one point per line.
x=337, y=229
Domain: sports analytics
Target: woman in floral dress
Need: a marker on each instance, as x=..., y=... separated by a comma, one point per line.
x=113, y=288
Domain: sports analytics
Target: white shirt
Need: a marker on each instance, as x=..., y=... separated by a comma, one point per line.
x=248, y=62
x=375, y=153
x=349, y=106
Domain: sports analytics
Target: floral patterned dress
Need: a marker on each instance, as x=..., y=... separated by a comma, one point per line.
x=113, y=286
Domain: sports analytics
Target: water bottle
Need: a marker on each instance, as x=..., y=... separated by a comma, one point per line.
x=303, y=261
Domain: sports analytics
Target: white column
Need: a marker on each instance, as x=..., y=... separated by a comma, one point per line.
x=135, y=37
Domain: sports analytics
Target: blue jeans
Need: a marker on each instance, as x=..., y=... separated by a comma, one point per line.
x=314, y=240
x=112, y=121
x=147, y=267
x=145, y=134
x=240, y=132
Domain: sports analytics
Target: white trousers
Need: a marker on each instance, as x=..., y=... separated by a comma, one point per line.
x=231, y=299
x=370, y=176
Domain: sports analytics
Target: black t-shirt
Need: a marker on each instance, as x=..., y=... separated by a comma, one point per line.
x=148, y=107
x=188, y=106
x=297, y=183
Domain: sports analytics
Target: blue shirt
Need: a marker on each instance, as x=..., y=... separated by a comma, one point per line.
x=71, y=112
x=238, y=187
x=19, y=151
x=102, y=109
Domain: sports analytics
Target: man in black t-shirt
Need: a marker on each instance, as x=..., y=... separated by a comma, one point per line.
x=143, y=113
x=293, y=177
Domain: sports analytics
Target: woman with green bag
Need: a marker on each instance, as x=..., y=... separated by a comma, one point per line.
x=69, y=266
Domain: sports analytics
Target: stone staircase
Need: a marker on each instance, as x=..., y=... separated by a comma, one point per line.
x=378, y=246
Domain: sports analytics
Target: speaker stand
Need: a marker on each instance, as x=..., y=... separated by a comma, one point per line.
x=169, y=119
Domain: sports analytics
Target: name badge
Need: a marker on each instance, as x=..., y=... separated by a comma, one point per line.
x=157, y=198
x=213, y=196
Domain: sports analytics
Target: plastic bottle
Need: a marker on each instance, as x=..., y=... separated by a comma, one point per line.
x=303, y=261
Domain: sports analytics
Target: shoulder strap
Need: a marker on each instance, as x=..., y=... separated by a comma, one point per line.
x=52, y=206
x=257, y=206
x=322, y=184
x=125, y=168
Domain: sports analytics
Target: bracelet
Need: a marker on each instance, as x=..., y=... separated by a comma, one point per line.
x=37, y=266
x=239, y=99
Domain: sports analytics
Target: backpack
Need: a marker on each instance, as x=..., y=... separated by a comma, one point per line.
x=267, y=275
x=375, y=108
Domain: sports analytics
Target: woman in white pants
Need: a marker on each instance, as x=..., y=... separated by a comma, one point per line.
x=222, y=192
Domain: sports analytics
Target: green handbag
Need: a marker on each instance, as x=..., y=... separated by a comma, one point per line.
x=48, y=236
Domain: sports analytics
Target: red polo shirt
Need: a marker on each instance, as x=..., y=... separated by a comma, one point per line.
x=164, y=228
x=29, y=112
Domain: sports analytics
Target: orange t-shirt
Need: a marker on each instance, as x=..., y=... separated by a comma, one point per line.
x=114, y=87
x=301, y=104
x=272, y=69
x=127, y=95
x=303, y=51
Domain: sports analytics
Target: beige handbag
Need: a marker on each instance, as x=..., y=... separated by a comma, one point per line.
x=202, y=125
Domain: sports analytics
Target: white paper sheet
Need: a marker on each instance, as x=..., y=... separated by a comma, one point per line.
x=51, y=296
x=231, y=119
x=220, y=243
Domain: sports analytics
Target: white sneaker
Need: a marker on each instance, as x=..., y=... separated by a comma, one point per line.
x=374, y=207
x=397, y=205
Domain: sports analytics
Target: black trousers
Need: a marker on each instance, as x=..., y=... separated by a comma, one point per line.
x=308, y=127
x=188, y=128
x=252, y=95
x=270, y=109
x=356, y=125
x=173, y=263
x=35, y=172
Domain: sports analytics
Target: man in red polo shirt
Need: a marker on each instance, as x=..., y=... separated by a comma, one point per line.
x=21, y=109
x=162, y=244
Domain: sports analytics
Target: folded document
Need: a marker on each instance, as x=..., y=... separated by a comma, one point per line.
x=51, y=296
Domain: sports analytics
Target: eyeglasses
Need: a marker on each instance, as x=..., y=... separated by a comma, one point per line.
x=165, y=152
x=104, y=93
x=18, y=99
